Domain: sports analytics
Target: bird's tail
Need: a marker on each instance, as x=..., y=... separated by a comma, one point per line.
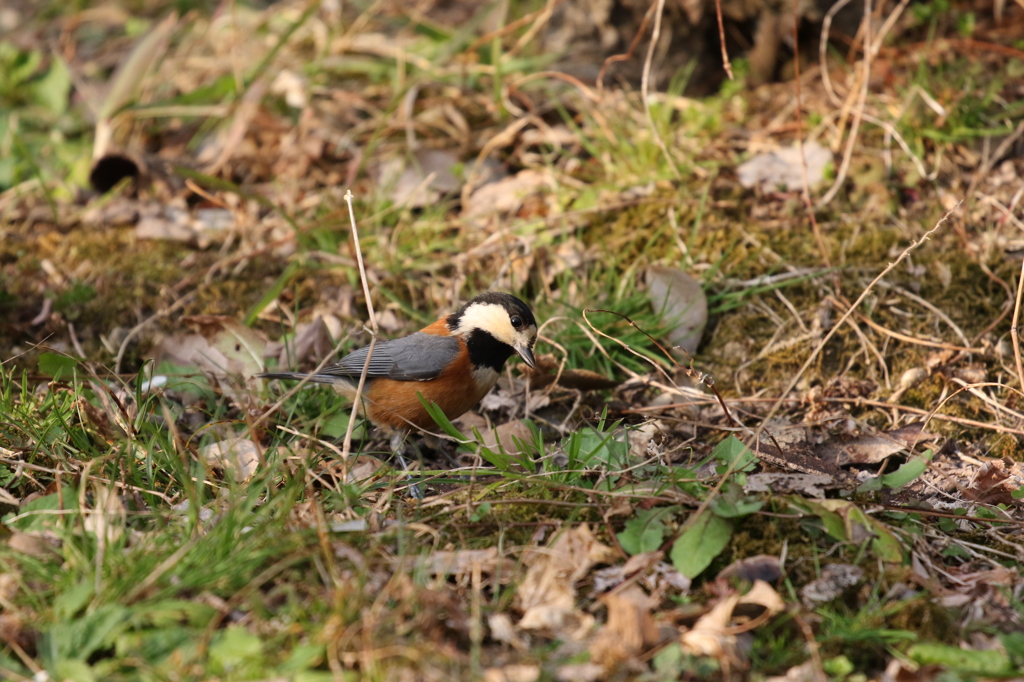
x=341, y=384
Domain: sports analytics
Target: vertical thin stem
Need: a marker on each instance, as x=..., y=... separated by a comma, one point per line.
x=346, y=447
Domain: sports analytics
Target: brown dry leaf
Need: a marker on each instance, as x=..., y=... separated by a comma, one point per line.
x=240, y=456
x=362, y=467
x=711, y=636
x=708, y=635
x=581, y=672
x=513, y=673
x=460, y=563
x=782, y=168
x=996, y=482
x=506, y=435
x=681, y=302
x=873, y=448
x=502, y=630
x=906, y=671
x=630, y=629
x=222, y=347
x=805, y=672
x=507, y=195
x=547, y=595
x=41, y=545
x=421, y=178
x=312, y=343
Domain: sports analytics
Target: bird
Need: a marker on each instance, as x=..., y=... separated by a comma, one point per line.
x=453, y=363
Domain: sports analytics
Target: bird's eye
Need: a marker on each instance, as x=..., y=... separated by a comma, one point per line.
x=516, y=321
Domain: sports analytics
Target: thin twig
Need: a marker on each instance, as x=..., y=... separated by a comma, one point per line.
x=628, y=54
x=826, y=25
x=726, y=64
x=346, y=448
x=806, y=194
x=1014, y=329
x=858, y=111
x=645, y=82
x=783, y=396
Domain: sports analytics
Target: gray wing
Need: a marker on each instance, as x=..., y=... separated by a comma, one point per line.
x=417, y=357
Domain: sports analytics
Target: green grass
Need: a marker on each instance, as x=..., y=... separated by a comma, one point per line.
x=188, y=573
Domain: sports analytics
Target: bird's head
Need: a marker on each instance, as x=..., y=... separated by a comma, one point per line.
x=496, y=325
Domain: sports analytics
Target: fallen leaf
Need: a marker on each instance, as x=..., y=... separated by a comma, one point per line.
x=311, y=344
x=507, y=195
x=995, y=483
x=504, y=631
x=782, y=168
x=421, y=178
x=460, y=563
x=580, y=672
x=873, y=448
x=240, y=456
x=711, y=635
x=547, y=595
x=513, y=673
x=40, y=545
x=629, y=631
x=506, y=435
x=681, y=302
x=222, y=347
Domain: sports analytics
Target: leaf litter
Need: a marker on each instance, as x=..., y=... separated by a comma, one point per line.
x=531, y=226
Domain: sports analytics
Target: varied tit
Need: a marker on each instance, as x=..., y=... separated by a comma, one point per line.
x=452, y=363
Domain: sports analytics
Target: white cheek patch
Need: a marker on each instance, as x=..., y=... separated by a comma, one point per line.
x=490, y=318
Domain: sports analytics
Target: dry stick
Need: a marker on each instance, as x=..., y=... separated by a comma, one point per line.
x=346, y=448
x=628, y=54
x=721, y=40
x=1015, y=330
x=826, y=26
x=645, y=85
x=806, y=194
x=842, y=320
x=858, y=112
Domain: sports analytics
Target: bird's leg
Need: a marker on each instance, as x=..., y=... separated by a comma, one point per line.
x=398, y=447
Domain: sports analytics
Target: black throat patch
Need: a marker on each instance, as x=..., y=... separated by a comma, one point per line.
x=487, y=351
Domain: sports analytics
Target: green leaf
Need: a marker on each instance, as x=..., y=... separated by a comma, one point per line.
x=733, y=450
x=697, y=548
x=646, y=532
x=987, y=662
x=56, y=365
x=52, y=90
x=34, y=515
x=607, y=448
x=733, y=504
x=910, y=470
x=68, y=604
x=234, y=647
x=304, y=657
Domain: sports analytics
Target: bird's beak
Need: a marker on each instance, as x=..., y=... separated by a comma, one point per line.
x=526, y=353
